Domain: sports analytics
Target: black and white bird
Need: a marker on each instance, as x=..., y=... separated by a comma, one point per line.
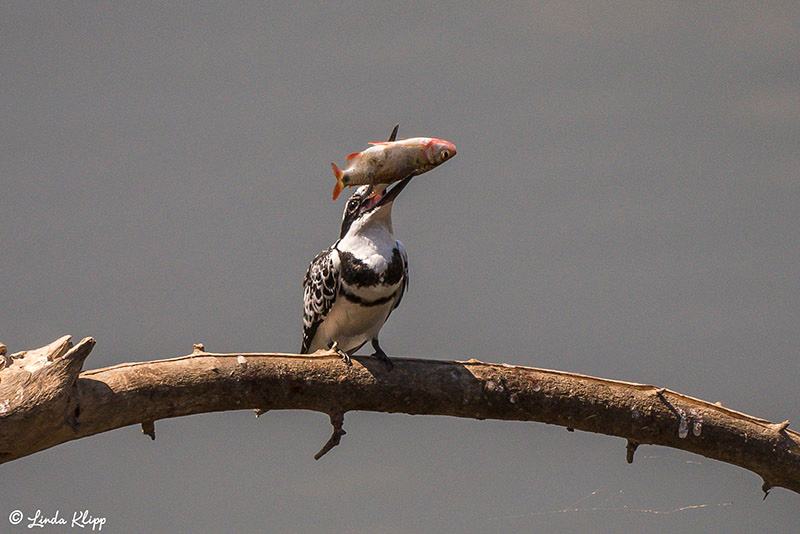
x=351, y=288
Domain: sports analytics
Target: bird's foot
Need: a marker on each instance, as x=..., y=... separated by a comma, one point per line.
x=342, y=354
x=381, y=355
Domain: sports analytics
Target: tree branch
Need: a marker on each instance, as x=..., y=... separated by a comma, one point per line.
x=45, y=400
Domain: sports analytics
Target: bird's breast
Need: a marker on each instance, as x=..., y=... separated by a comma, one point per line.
x=372, y=271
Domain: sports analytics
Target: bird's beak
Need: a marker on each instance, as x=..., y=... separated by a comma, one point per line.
x=391, y=194
x=379, y=195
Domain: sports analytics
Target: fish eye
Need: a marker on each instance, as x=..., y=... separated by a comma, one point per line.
x=445, y=154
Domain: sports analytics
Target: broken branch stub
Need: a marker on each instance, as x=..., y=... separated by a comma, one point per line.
x=38, y=406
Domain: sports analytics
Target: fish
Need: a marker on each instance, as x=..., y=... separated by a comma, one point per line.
x=389, y=161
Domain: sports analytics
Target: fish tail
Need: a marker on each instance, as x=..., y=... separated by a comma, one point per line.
x=338, y=173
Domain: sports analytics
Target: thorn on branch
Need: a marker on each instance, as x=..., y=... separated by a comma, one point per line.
x=149, y=429
x=471, y=360
x=337, y=421
x=198, y=348
x=780, y=427
x=260, y=411
x=765, y=487
x=630, y=449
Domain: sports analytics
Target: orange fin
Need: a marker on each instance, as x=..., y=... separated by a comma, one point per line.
x=338, y=173
x=353, y=155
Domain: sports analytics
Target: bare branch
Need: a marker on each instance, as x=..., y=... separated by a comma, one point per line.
x=45, y=400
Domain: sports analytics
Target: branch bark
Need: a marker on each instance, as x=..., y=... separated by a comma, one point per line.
x=45, y=400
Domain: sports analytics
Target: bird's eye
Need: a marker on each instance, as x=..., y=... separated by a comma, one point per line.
x=352, y=205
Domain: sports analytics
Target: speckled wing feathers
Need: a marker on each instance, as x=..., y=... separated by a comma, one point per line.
x=320, y=287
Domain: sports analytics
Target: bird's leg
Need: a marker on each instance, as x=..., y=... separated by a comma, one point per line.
x=381, y=355
x=345, y=357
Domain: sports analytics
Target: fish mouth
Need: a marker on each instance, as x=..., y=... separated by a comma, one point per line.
x=378, y=198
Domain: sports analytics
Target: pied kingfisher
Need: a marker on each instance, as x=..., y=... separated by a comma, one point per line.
x=351, y=288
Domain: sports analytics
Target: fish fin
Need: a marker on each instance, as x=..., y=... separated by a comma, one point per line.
x=393, y=135
x=353, y=155
x=338, y=173
x=379, y=143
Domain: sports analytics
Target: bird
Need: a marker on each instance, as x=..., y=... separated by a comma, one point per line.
x=351, y=288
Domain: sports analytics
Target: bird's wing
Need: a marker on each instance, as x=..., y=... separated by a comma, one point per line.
x=320, y=286
x=404, y=285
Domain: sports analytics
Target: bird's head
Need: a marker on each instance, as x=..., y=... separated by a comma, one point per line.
x=370, y=204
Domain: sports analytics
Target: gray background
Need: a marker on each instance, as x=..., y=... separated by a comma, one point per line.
x=624, y=203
